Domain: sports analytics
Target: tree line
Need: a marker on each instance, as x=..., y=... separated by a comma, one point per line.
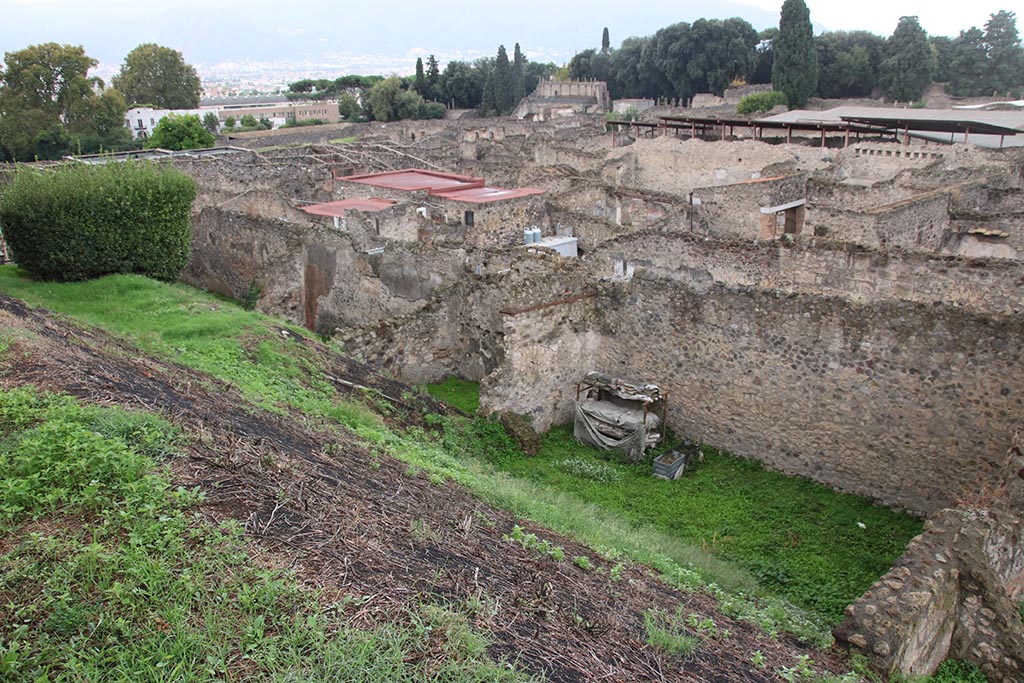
x=50, y=106
x=493, y=85
x=709, y=55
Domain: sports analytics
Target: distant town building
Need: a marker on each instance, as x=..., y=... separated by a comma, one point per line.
x=142, y=120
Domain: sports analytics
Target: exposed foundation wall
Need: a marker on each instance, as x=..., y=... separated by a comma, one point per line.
x=905, y=403
x=820, y=267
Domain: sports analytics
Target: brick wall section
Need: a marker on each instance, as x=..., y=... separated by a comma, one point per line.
x=901, y=402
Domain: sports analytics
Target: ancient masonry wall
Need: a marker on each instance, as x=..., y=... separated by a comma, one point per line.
x=953, y=593
x=821, y=267
x=906, y=403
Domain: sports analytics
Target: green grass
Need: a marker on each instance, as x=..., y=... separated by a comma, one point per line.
x=344, y=141
x=568, y=489
x=108, y=575
x=457, y=392
x=801, y=540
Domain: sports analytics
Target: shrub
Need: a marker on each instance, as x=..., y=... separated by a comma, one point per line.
x=761, y=102
x=80, y=222
x=432, y=110
x=180, y=132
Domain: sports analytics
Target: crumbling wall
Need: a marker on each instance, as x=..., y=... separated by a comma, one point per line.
x=819, y=267
x=313, y=274
x=547, y=349
x=735, y=210
x=953, y=593
x=905, y=403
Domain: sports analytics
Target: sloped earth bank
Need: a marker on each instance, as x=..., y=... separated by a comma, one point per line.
x=362, y=526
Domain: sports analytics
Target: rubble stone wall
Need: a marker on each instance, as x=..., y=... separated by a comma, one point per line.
x=905, y=403
x=816, y=266
x=952, y=593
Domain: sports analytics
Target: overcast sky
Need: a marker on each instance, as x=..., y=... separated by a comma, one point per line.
x=381, y=37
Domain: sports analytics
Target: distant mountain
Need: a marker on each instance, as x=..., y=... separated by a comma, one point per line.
x=370, y=36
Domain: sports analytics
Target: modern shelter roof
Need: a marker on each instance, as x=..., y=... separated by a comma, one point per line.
x=338, y=208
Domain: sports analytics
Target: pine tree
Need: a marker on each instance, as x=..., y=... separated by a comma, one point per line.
x=794, y=56
x=606, y=43
x=1005, y=57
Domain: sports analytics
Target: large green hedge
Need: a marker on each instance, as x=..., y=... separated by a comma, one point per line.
x=77, y=222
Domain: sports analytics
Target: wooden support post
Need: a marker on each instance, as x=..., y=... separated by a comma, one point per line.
x=1002, y=137
x=967, y=134
x=906, y=135
x=846, y=142
x=823, y=138
x=789, y=134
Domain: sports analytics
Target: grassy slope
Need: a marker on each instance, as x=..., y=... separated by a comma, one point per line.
x=108, y=576
x=249, y=351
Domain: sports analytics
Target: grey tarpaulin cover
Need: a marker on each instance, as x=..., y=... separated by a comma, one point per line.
x=607, y=426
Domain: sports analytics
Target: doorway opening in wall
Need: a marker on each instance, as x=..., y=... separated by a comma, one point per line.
x=469, y=218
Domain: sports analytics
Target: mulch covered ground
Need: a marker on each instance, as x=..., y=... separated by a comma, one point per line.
x=357, y=523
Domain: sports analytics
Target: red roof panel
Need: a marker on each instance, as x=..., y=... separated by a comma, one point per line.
x=339, y=208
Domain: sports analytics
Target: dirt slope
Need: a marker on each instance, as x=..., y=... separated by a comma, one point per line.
x=359, y=524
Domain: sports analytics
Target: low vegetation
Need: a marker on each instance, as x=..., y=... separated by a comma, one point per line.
x=761, y=102
x=798, y=539
x=114, y=577
x=566, y=488
x=76, y=222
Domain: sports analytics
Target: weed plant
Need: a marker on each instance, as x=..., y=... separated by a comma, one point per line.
x=107, y=575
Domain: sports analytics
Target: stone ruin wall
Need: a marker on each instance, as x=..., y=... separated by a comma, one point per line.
x=820, y=267
x=905, y=403
x=952, y=594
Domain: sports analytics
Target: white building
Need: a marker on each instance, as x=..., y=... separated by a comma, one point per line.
x=142, y=120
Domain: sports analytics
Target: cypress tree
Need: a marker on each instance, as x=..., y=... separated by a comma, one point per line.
x=795, y=58
x=420, y=84
x=504, y=92
x=518, y=74
x=606, y=43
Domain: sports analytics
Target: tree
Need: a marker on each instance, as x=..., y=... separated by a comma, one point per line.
x=249, y=121
x=909, y=63
x=433, y=78
x=211, y=122
x=942, y=48
x=581, y=66
x=967, y=72
x=504, y=93
x=420, y=84
x=348, y=107
x=765, y=56
x=849, y=62
x=606, y=43
x=794, y=56
x=158, y=76
x=229, y=122
x=1005, y=57
x=518, y=74
x=462, y=85
x=50, y=106
x=180, y=132
x=382, y=99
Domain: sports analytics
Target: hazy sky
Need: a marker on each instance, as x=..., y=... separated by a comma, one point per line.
x=374, y=37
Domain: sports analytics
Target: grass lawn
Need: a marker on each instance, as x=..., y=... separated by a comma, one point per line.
x=818, y=548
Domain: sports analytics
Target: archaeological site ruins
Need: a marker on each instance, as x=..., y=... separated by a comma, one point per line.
x=843, y=306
